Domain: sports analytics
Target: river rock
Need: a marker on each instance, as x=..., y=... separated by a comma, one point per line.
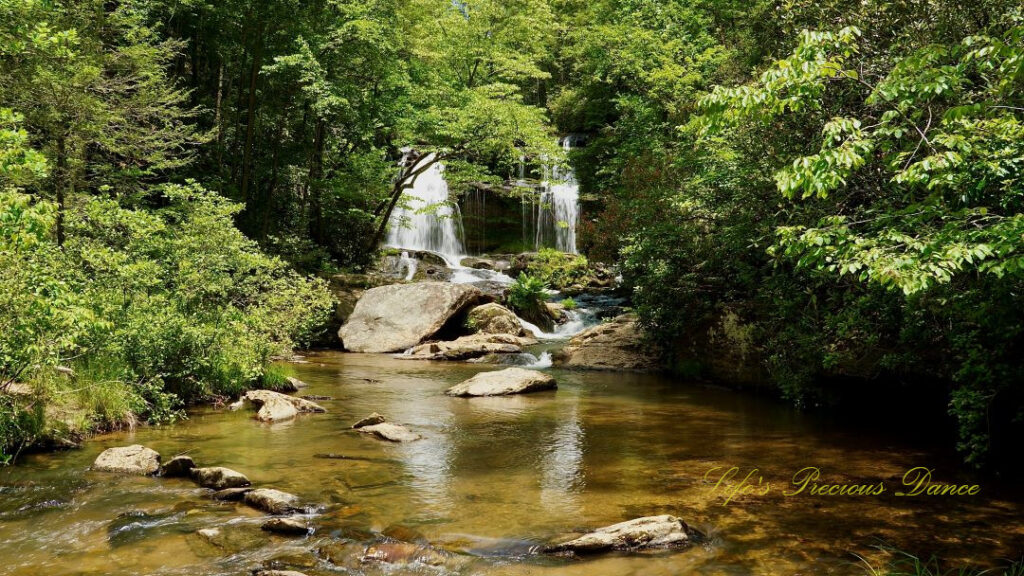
x=279, y=573
x=275, y=407
x=494, y=318
x=219, y=478
x=272, y=501
x=292, y=526
x=371, y=420
x=467, y=347
x=432, y=273
x=403, y=553
x=397, y=317
x=136, y=459
x=504, y=382
x=211, y=535
x=178, y=467
x=614, y=345
x=231, y=494
x=390, y=432
x=648, y=532
x=492, y=288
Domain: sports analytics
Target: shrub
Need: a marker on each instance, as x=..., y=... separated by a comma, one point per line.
x=569, y=304
x=527, y=295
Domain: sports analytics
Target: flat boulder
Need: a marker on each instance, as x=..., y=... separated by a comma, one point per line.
x=397, y=317
x=390, y=432
x=219, y=478
x=493, y=318
x=503, y=383
x=272, y=501
x=178, y=467
x=613, y=345
x=135, y=460
x=231, y=494
x=641, y=533
x=469, y=347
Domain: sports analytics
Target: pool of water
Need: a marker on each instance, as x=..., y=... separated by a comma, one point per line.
x=493, y=478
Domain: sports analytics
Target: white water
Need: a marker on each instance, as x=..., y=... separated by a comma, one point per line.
x=428, y=220
x=559, y=210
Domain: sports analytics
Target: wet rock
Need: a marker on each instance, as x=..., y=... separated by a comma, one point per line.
x=432, y=273
x=178, y=467
x=134, y=526
x=370, y=420
x=390, y=432
x=614, y=345
x=275, y=407
x=219, y=478
x=648, y=532
x=492, y=288
x=211, y=535
x=290, y=526
x=137, y=460
x=397, y=317
x=272, y=501
x=278, y=573
x=403, y=553
x=504, y=382
x=477, y=263
x=468, y=347
x=231, y=494
x=296, y=383
x=494, y=318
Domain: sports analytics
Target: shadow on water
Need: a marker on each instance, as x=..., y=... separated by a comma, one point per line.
x=495, y=478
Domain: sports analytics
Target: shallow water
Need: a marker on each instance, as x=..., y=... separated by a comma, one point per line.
x=494, y=477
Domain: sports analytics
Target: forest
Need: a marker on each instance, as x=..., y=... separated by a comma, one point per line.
x=760, y=221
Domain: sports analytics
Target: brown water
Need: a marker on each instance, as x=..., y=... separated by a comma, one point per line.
x=491, y=479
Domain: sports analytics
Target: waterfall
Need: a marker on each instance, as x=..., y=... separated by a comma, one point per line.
x=558, y=212
x=428, y=221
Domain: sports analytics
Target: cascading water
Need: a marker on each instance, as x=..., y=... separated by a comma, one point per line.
x=559, y=211
x=428, y=221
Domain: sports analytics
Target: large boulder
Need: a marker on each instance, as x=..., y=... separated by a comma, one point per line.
x=397, y=317
x=275, y=407
x=648, y=532
x=504, y=382
x=219, y=478
x=614, y=345
x=494, y=318
x=468, y=347
x=178, y=467
x=137, y=460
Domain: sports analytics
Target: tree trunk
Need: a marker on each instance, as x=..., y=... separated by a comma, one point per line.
x=406, y=181
x=250, y=126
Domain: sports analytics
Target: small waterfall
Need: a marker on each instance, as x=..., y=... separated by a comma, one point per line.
x=428, y=220
x=558, y=212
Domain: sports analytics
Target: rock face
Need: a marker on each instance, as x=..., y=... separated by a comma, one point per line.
x=394, y=318
x=468, y=347
x=390, y=432
x=504, y=382
x=371, y=420
x=648, y=532
x=219, y=478
x=614, y=345
x=135, y=459
x=272, y=501
x=178, y=467
x=290, y=526
x=275, y=407
x=495, y=319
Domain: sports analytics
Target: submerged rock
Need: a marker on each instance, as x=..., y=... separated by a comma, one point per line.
x=504, y=382
x=219, y=478
x=278, y=573
x=178, y=467
x=390, y=432
x=370, y=420
x=291, y=526
x=614, y=345
x=403, y=553
x=211, y=535
x=272, y=501
x=231, y=494
x=468, y=347
x=397, y=317
x=276, y=407
x=494, y=318
x=648, y=532
x=136, y=459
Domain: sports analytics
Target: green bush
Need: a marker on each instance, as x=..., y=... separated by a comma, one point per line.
x=558, y=269
x=527, y=295
x=569, y=304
